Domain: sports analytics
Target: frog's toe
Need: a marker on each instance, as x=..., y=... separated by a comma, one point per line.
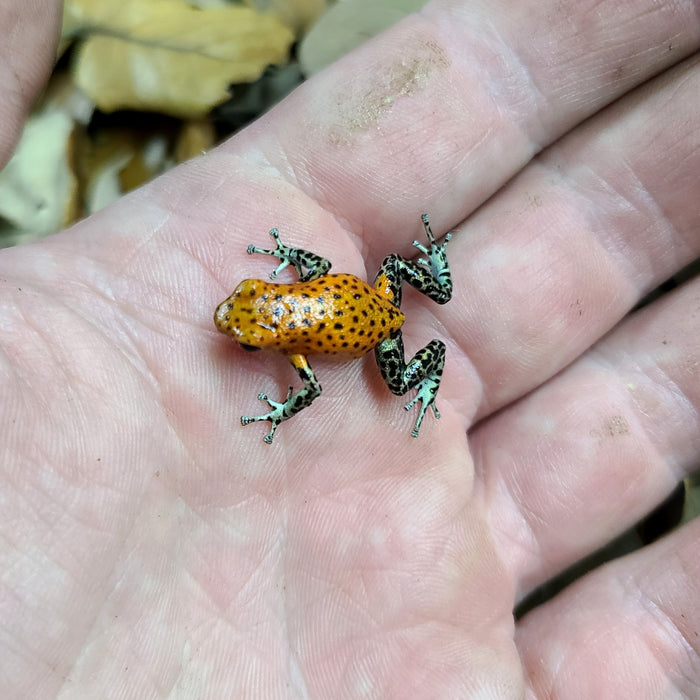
x=275, y=405
x=272, y=416
x=266, y=399
x=427, y=390
x=268, y=438
x=279, y=268
x=246, y=420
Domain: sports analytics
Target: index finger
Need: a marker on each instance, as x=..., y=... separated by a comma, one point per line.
x=437, y=113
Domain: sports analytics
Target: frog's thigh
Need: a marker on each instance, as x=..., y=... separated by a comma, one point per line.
x=390, y=360
x=400, y=376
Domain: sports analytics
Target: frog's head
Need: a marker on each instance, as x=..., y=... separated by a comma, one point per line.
x=238, y=316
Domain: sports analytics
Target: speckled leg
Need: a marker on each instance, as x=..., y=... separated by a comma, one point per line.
x=294, y=402
x=298, y=257
x=430, y=276
x=423, y=372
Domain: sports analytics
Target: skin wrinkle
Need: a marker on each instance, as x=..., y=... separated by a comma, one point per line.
x=666, y=625
x=520, y=534
x=13, y=101
x=294, y=171
x=98, y=327
x=659, y=367
x=514, y=90
x=630, y=264
x=627, y=253
x=677, y=469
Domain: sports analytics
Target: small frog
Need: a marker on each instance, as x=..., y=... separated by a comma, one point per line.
x=329, y=314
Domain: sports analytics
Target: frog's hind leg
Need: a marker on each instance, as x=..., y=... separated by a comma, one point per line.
x=298, y=257
x=430, y=276
x=293, y=403
x=423, y=372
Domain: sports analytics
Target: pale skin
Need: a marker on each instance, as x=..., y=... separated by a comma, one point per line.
x=152, y=547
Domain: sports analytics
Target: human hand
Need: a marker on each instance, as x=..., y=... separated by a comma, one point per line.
x=153, y=546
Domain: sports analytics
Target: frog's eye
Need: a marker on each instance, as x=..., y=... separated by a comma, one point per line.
x=249, y=348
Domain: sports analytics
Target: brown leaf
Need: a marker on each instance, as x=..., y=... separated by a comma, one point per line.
x=164, y=55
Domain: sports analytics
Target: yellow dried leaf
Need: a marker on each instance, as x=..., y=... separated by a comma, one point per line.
x=123, y=75
x=195, y=137
x=236, y=34
x=164, y=55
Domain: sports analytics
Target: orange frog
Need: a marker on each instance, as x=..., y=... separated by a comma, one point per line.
x=329, y=314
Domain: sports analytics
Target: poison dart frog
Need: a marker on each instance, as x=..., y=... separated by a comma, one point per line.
x=329, y=314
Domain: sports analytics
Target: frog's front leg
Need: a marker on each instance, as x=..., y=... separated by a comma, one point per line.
x=423, y=372
x=294, y=402
x=298, y=257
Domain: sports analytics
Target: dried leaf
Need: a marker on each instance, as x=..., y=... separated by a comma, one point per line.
x=195, y=138
x=114, y=161
x=124, y=75
x=163, y=55
x=232, y=33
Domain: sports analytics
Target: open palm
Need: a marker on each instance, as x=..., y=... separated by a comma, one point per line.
x=154, y=547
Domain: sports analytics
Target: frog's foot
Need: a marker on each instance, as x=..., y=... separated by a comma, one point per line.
x=281, y=251
x=275, y=416
x=293, y=403
x=422, y=373
x=427, y=391
x=298, y=257
x=436, y=260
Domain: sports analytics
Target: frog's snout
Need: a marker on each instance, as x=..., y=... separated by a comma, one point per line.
x=222, y=316
x=232, y=318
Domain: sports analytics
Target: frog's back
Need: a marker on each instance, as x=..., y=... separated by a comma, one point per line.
x=334, y=314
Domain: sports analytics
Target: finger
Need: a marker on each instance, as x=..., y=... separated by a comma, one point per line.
x=559, y=256
x=628, y=630
x=588, y=454
x=437, y=113
x=29, y=31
